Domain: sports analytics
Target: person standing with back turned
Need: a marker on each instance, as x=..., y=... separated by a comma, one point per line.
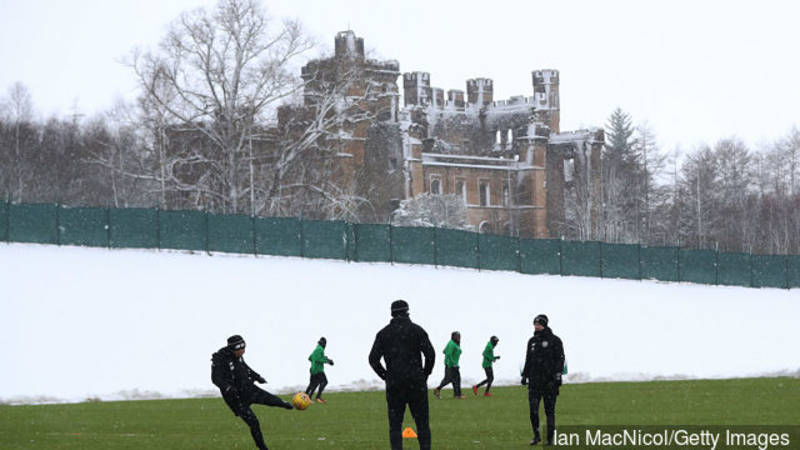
x=402, y=344
x=544, y=364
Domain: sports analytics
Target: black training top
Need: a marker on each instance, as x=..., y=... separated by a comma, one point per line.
x=402, y=344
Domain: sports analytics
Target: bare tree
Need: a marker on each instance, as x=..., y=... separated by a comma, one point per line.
x=19, y=108
x=215, y=74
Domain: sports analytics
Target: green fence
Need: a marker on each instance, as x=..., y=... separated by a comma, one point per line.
x=288, y=236
x=280, y=236
x=83, y=226
x=372, y=242
x=621, y=261
x=456, y=248
x=413, y=245
x=133, y=228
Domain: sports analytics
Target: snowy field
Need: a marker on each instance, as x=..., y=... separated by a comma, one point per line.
x=80, y=323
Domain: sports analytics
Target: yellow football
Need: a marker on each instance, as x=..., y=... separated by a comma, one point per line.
x=301, y=401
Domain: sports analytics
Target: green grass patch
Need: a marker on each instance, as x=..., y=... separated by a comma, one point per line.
x=358, y=420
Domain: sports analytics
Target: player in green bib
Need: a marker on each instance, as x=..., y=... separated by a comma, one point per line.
x=318, y=378
x=452, y=374
x=488, y=360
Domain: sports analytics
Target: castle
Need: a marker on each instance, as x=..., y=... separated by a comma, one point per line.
x=517, y=172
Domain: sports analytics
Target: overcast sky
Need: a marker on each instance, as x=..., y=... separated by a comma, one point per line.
x=697, y=71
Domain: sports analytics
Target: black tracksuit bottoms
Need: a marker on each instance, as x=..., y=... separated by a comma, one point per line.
x=549, y=396
x=415, y=395
x=318, y=379
x=489, y=378
x=452, y=375
x=243, y=410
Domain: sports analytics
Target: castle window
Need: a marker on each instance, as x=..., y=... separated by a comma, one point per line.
x=461, y=189
x=392, y=164
x=483, y=191
x=436, y=185
x=506, y=194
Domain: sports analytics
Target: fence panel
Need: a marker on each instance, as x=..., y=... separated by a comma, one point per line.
x=413, y=245
x=4, y=221
x=540, y=256
x=698, y=266
x=372, y=242
x=182, y=230
x=621, y=261
x=770, y=271
x=133, y=228
x=581, y=258
x=733, y=269
x=350, y=241
x=83, y=226
x=230, y=233
x=793, y=271
x=659, y=263
x=35, y=223
x=324, y=239
x=279, y=236
x=456, y=248
x=498, y=252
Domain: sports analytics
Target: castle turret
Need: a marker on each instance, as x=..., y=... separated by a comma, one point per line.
x=456, y=97
x=545, y=97
x=480, y=91
x=417, y=88
x=349, y=46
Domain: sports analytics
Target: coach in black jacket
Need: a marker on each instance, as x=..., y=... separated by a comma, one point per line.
x=544, y=364
x=235, y=379
x=401, y=344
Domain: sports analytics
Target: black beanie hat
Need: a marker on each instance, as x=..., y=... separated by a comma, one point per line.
x=399, y=307
x=494, y=340
x=322, y=341
x=235, y=342
x=540, y=319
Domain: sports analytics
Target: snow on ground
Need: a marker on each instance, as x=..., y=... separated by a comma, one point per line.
x=79, y=323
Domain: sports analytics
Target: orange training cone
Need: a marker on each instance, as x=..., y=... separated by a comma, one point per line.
x=409, y=433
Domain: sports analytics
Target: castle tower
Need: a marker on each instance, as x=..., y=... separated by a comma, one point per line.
x=456, y=97
x=480, y=91
x=348, y=45
x=546, y=100
x=416, y=88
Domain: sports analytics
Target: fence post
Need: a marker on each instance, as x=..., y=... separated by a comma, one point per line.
x=58, y=224
x=208, y=251
x=253, y=230
x=8, y=220
x=561, y=256
x=478, y=249
x=391, y=244
x=716, y=266
x=678, y=261
x=786, y=270
x=750, y=263
x=302, y=238
x=519, y=256
x=435, y=248
x=639, y=259
x=602, y=274
x=108, y=226
x=158, y=227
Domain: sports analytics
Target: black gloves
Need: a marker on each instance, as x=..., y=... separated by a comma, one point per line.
x=261, y=379
x=558, y=379
x=496, y=358
x=524, y=381
x=330, y=361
